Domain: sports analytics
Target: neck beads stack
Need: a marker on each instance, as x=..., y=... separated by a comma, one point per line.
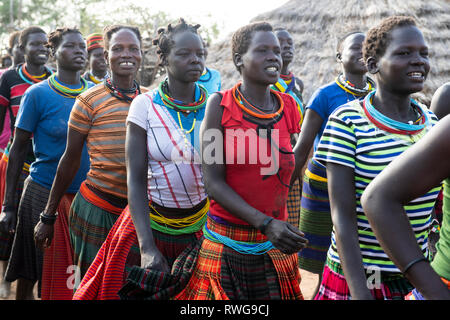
x=126, y=95
x=30, y=79
x=250, y=109
x=348, y=87
x=393, y=126
x=178, y=106
x=64, y=91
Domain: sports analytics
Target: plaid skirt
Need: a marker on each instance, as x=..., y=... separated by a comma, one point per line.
x=293, y=204
x=120, y=254
x=335, y=287
x=221, y=273
x=90, y=220
x=315, y=218
x=6, y=239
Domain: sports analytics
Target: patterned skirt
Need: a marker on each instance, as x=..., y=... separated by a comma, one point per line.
x=120, y=254
x=386, y=287
x=293, y=204
x=315, y=218
x=6, y=239
x=221, y=273
x=90, y=220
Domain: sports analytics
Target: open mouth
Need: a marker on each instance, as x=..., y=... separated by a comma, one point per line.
x=272, y=69
x=416, y=75
x=126, y=64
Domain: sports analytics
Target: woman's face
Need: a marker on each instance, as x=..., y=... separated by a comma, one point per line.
x=17, y=53
x=286, y=45
x=124, y=53
x=35, y=50
x=405, y=65
x=351, y=56
x=262, y=62
x=71, y=53
x=97, y=62
x=186, y=59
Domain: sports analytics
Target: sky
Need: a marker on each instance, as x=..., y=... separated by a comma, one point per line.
x=228, y=14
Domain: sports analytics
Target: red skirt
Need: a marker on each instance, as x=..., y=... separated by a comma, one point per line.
x=57, y=270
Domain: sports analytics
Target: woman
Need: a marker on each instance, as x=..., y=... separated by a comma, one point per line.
x=43, y=114
x=29, y=45
x=210, y=78
x=293, y=86
x=249, y=250
x=98, y=118
x=360, y=140
x=421, y=168
x=315, y=218
x=98, y=70
x=152, y=236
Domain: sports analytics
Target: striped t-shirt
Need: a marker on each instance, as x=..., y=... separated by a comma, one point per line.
x=351, y=140
x=101, y=116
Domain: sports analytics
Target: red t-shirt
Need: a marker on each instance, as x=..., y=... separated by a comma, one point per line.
x=256, y=169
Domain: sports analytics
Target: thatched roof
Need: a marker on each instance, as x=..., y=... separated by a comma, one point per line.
x=315, y=26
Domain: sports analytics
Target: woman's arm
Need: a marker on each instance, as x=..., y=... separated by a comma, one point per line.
x=137, y=166
x=17, y=156
x=341, y=189
x=310, y=127
x=282, y=235
x=67, y=169
x=440, y=103
x=419, y=169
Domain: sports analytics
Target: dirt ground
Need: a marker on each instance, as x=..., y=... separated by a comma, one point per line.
x=307, y=286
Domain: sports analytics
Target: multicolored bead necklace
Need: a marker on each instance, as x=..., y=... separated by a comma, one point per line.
x=126, y=95
x=250, y=109
x=64, y=91
x=29, y=78
x=352, y=89
x=178, y=105
x=393, y=126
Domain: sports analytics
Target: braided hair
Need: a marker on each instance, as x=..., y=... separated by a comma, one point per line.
x=164, y=41
x=379, y=37
x=55, y=37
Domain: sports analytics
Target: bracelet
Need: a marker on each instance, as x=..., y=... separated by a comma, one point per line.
x=409, y=265
x=47, y=218
x=265, y=224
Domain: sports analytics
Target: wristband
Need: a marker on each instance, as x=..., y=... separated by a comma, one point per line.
x=48, y=219
x=265, y=224
x=409, y=265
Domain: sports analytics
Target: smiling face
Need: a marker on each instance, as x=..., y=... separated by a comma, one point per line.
x=71, y=53
x=186, y=59
x=351, y=55
x=286, y=45
x=34, y=50
x=262, y=62
x=404, y=66
x=124, y=53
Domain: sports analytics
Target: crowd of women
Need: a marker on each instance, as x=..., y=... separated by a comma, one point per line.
x=187, y=191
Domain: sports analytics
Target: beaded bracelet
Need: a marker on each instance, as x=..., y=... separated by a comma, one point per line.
x=47, y=218
x=265, y=224
x=409, y=265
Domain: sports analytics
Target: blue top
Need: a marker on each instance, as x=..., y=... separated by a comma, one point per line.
x=45, y=113
x=325, y=100
x=211, y=81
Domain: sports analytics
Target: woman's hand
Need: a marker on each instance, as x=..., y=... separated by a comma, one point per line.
x=154, y=260
x=285, y=237
x=43, y=235
x=8, y=221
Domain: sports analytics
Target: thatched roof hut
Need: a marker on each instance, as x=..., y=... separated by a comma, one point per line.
x=316, y=24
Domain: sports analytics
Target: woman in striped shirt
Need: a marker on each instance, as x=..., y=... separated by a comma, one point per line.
x=97, y=119
x=359, y=141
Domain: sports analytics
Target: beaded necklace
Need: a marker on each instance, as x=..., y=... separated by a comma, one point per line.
x=347, y=86
x=178, y=106
x=64, y=91
x=29, y=78
x=94, y=79
x=251, y=109
x=172, y=103
x=126, y=95
x=393, y=126
x=206, y=72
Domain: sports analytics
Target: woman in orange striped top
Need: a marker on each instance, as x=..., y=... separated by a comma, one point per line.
x=98, y=118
